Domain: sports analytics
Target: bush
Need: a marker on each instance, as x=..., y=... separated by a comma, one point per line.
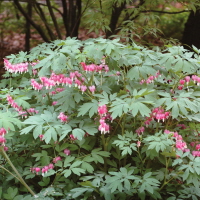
x=100, y=120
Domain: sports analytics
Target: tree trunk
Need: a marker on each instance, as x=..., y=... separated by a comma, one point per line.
x=191, y=34
x=72, y=16
x=28, y=28
x=27, y=17
x=116, y=12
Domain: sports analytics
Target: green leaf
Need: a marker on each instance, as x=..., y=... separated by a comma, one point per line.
x=37, y=120
x=66, y=129
x=127, y=184
x=87, y=183
x=50, y=134
x=86, y=166
x=67, y=173
x=75, y=164
x=78, y=171
x=68, y=160
x=118, y=107
x=27, y=130
x=78, y=133
x=139, y=107
x=9, y=121
x=78, y=97
x=147, y=175
x=88, y=107
x=37, y=131
x=21, y=102
x=79, y=191
x=186, y=174
x=50, y=172
x=90, y=128
x=97, y=158
x=115, y=185
x=11, y=193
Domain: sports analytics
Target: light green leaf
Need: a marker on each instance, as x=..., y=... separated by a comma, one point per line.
x=68, y=160
x=37, y=131
x=67, y=173
x=78, y=171
x=27, y=130
x=78, y=133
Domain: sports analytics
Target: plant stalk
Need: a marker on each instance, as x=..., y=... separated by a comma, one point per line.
x=15, y=170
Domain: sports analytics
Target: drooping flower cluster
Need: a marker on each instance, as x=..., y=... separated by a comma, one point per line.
x=104, y=127
x=197, y=148
x=56, y=91
x=140, y=130
x=36, y=85
x=44, y=169
x=157, y=114
x=187, y=79
x=54, y=103
x=57, y=79
x=102, y=110
x=2, y=134
x=196, y=153
x=18, y=68
x=72, y=137
x=67, y=152
x=62, y=117
x=32, y=111
x=180, y=144
x=75, y=78
x=13, y=103
x=95, y=68
x=56, y=159
x=183, y=81
x=151, y=78
x=48, y=83
x=41, y=137
x=19, y=109
x=196, y=79
x=182, y=126
x=92, y=89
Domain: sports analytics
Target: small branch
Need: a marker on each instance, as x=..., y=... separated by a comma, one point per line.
x=100, y=3
x=15, y=170
x=80, y=15
x=37, y=27
x=116, y=12
x=166, y=12
x=128, y=17
x=64, y=16
x=76, y=20
x=9, y=172
x=40, y=12
x=28, y=28
x=42, y=4
x=54, y=19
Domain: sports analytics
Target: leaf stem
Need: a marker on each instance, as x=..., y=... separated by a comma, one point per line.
x=123, y=126
x=165, y=183
x=105, y=149
x=157, y=126
x=9, y=172
x=15, y=170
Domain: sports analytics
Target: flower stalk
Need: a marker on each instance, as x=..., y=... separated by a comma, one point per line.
x=18, y=176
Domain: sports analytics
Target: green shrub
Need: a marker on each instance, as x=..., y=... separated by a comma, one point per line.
x=96, y=119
